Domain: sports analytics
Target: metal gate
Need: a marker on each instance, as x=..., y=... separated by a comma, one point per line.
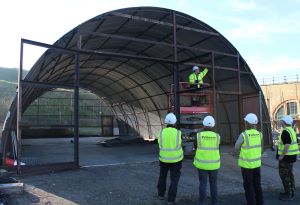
x=107, y=125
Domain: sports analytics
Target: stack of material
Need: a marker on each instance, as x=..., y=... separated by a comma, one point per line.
x=8, y=186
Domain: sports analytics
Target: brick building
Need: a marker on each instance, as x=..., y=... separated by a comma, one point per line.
x=283, y=99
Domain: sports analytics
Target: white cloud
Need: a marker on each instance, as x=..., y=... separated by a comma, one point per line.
x=262, y=30
x=277, y=66
x=242, y=5
x=248, y=29
x=288, y=24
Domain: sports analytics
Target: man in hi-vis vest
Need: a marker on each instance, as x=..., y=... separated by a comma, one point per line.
x=287, y=156
x=196, y=77
x=195, y=81
x=249, y=144
x=170, y=158
x=207, y=160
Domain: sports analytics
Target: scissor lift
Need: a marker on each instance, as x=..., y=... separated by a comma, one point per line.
x=195, y=104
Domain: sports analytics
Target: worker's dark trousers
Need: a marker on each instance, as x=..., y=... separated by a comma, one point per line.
x=252, y=186
x=287, y=177
x=162, y=181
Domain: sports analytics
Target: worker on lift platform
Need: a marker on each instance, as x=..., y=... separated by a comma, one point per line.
x=196, y=80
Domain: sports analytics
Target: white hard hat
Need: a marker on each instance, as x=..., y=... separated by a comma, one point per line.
x=209, y=121
x=287, y=120
x=251, y=118
x=195, y=68
x=170, y=119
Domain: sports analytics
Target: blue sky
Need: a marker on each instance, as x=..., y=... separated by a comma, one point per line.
x=266, y=32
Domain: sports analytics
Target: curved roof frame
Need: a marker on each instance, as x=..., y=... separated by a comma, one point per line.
x=131, y=56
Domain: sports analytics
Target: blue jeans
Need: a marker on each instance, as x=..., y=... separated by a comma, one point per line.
x=212, y=175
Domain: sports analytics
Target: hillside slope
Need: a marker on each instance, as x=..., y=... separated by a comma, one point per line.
x=8, y=84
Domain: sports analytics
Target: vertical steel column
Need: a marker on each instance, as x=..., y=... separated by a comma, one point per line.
x=269, y=132
x=76, y=111
x=239, y=73
x=260, y=112
x=176, y=73
x=269, y=107
x=38, y=111
x=19, y=109
x=240, y=93
x=214, y=89
x=76, y=105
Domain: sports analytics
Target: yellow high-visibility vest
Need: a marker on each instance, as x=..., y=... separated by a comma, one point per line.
x=294, y=148
x=250, y=154
x=170, y=149
x=207, y=154
x=193, y=77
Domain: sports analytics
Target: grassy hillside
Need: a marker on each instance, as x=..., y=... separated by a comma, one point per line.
x=53, y=107
x=8, y=83
x=10, y=74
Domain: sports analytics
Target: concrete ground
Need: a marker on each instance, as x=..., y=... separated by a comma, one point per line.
x=43, y=151
x=128, y=175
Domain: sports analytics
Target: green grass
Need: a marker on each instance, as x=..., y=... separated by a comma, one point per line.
x=7, y=94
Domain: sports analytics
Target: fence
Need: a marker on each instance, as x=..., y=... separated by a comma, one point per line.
x=55, y=108
x=279, y=80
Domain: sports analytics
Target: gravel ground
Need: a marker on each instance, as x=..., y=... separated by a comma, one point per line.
x=135, y=184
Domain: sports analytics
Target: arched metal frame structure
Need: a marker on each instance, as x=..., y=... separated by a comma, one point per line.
x=131, y=56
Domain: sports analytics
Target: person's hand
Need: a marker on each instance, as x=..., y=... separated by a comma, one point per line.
x=280, y=157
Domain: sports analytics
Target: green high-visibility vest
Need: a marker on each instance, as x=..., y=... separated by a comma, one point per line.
x=250, y=154
x=193, y=77
x=207, y=154
x=294, y=148
x=170, y=149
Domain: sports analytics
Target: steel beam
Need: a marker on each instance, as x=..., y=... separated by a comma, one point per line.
x=76, y=111
x=19, y=110
x=45, y=85
x=163, y=23
x=150, y=42
x=176, y=72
